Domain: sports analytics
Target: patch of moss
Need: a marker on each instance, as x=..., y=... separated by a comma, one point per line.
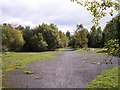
x=93, y=62
x=28, y=72
x=83, y=59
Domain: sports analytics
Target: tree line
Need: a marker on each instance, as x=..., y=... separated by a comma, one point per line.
x=48, y=37
x=42, y=38
x=109, y=37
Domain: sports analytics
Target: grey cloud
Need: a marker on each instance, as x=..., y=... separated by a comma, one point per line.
x=61, y=12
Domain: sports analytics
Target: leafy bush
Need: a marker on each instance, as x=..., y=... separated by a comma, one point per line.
x=113, y=47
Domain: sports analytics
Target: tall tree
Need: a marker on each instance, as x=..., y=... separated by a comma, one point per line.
x=111, y=30
x=27, y=34
x=39, y=43
x=80, y=38
x=93, y=34
x=68, y=34
x=50, y=34
x=63, y=39
x=12, y=39
x=99, y=38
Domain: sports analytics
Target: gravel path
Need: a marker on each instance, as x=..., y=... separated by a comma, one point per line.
x=70, y=70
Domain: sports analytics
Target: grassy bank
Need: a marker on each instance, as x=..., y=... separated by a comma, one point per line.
x=108, y=79
x=12, y=60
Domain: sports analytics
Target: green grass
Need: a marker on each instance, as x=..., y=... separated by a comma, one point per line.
x=108, y=79
x=93, y=62
x=80, y=50
x=90, y=53
x=61, y=49
x=28, y=72
x=12, y=60
x=97, y=50
x=83, y=58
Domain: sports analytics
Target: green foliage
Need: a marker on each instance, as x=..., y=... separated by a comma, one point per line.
x=39, y=43
x=95, y=37
x=108, y=79
x=93, y=62
x=68, y=34
x=48, y=37
x=27, y=34
x=43, y=37
x=79, y=39
x=28, y=72
x=61, y=49
x=111, y=36
x=113, y=47
x=83, y=58
x=12, y=39
x=52, y=36
x=99, y=8
x=112, y=30
x=63, y=40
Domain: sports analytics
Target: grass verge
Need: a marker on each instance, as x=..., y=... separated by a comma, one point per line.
x=12, y=60
x=61, y=49
x=108, y=79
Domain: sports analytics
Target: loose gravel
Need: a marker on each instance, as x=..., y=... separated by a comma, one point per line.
x=70, y=70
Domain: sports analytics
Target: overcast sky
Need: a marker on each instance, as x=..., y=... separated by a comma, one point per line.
x=64, y=13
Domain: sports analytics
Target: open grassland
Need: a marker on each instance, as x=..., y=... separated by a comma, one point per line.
x=12, y=60
x=108, y=79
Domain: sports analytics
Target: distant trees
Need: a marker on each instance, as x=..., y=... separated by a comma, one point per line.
x=12, y=39
x=96, y=37
x=112, y=30
x=68, y=34
x=43, y=37
x=63, y=40
x=27, y=35
x=53, y=37
x=79, y=39
x=112, y=36
x=38, y=43
x=48, y=37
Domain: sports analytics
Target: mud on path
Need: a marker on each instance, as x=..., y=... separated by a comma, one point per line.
x=70, y=70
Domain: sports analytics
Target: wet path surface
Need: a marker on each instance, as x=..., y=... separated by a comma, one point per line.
x=70, y=70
